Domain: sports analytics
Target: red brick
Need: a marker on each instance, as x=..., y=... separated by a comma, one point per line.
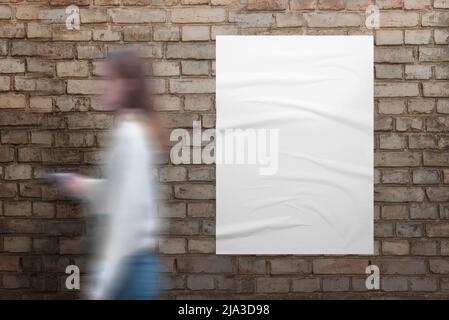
x=9, y=263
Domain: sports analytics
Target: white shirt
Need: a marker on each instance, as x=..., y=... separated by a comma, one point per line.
x=127, y=197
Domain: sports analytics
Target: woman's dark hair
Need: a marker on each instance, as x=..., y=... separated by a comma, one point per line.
x=126, y=64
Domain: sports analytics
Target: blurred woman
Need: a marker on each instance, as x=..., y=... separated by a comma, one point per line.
x=127, y=267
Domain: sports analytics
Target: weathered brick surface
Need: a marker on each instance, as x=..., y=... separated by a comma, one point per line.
x=51, y=119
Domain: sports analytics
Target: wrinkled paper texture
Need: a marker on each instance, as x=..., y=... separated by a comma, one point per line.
x=317, y=93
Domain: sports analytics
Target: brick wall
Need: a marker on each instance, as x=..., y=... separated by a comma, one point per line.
x=50, y=119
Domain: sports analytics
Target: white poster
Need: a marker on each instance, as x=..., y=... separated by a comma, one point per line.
x=294, y=144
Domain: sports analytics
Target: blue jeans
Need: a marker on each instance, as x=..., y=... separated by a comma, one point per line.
x=141, y=278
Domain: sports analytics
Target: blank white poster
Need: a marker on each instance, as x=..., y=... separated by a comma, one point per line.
x=294, y=143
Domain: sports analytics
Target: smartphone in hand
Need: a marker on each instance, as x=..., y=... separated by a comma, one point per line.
x=60, y=180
